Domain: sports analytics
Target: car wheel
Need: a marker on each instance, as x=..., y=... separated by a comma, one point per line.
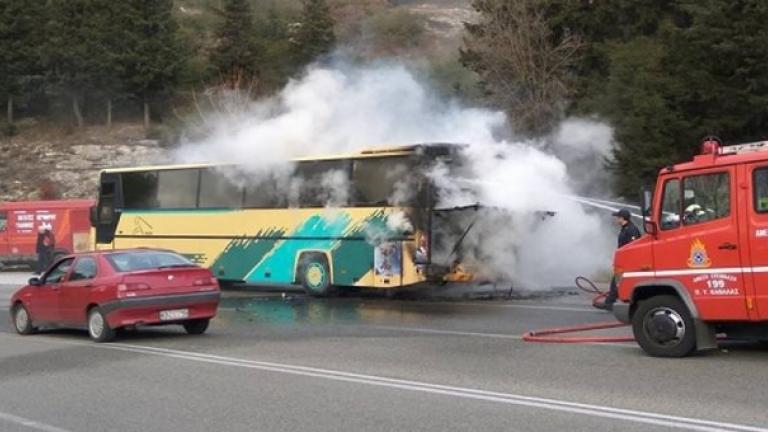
x=663, y=327
x=196, y=327
x=315, y=277
x=98, y=327
x=22, y=322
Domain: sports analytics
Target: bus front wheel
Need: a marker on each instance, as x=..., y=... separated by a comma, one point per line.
x=315, y=276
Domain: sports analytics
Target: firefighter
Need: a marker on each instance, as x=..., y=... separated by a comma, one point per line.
x=45, y=245
x=627, y=234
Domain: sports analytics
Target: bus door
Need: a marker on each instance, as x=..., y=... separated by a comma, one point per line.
x=107, y=209
x=756, y=236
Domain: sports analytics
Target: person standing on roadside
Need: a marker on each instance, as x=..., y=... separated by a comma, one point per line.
x=44, y=249
x=628, y=234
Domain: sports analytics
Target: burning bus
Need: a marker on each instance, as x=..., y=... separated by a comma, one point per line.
x=368, y=219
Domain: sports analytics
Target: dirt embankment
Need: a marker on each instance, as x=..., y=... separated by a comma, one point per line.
x=43, y=160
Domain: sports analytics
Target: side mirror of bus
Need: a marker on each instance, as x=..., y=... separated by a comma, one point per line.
x=93, y=216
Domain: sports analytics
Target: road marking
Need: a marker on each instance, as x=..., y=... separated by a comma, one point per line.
x=635, y=416
x=10, y=418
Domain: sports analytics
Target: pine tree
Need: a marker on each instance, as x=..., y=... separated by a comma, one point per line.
x=69, y=51
x=668, y=74
x=153, y=55
x=236, y=54
x=314, y=37
x=278, y=62
x=109, y=22
x=20, y=40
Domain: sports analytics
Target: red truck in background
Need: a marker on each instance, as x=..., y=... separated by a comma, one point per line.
x=702, y=267
x=69, y=220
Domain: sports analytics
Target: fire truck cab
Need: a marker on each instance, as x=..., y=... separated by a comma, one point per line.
x=701, y=269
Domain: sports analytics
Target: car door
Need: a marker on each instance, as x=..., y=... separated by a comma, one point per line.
x=74, y=295
x=698, y=241
x=44, y=304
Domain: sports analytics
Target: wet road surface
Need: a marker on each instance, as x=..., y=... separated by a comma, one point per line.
x=272, y=363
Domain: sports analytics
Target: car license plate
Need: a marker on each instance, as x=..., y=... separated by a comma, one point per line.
x=175, y=314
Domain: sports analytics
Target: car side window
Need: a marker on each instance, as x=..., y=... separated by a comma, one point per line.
x=706, y=197
x=670, y=205
x=56, y=274
x=85, y=269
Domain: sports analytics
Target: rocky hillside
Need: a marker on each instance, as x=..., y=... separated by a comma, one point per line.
x=51, y=161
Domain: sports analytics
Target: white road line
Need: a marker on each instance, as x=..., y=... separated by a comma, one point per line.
x=31, y=424
x=643, y=417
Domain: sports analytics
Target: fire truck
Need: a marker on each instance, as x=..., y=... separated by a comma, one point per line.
x=701, y=269
x=69, y=220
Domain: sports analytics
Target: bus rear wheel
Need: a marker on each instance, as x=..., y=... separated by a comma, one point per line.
x=663, y=327
x=315, y=276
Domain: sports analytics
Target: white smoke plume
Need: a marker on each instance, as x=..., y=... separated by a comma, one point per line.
x=342, y=108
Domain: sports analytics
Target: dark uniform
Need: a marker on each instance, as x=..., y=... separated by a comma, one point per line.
x=628, y=234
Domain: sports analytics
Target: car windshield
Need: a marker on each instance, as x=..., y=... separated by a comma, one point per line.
x=131, y=261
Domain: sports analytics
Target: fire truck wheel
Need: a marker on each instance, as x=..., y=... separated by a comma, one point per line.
x=663, y=327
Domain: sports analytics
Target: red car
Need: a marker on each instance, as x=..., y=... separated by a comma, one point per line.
x=108, y=290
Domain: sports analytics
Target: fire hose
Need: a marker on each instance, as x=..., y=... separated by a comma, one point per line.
x=589, y=287
x=551, y=335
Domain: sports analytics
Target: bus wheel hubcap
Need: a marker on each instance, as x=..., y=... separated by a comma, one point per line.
x=315, y=275
x=21, y=318
x=96, y=325
x=665, y=326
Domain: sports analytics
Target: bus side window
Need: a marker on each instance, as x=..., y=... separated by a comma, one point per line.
x=670, y=205
x=3, y=221
x=760, y=186
x=219, y=191
x=177, y=189
x=262, y=190
x=320, y=184
x=385, y=181
x=140, y=190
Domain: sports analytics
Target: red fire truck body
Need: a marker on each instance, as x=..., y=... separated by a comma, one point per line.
x=702, y=267
x=19, y=222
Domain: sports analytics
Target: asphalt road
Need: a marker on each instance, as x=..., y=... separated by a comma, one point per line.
x=271, y=363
